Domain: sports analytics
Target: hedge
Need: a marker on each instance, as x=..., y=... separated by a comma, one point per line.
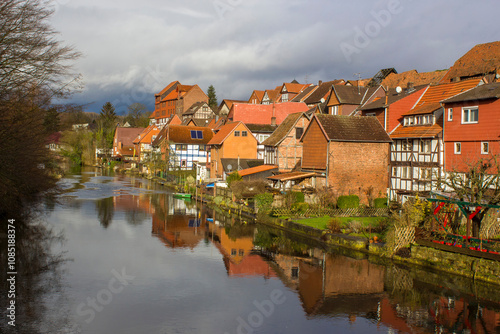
x=346, y=202
x=380, y=202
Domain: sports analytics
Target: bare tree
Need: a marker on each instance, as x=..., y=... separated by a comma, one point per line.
x=34, y=67
x=479, y=185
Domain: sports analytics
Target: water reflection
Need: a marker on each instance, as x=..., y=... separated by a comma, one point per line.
x=330, y=285
x=198, y=270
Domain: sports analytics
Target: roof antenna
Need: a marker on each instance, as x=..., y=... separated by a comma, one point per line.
x=359, y=78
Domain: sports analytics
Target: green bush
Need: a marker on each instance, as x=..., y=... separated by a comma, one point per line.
x=346, y=202
x=299, y=197
x=264, y=201
x=300, y=207
x=380, y=202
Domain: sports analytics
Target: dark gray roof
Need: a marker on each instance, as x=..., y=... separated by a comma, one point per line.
x=282, y=131
x=353, y=128
x=483, y=92
x=320, y=93
x=353, y=94
x=261, y=128
x=243, y=164
x=299, y=97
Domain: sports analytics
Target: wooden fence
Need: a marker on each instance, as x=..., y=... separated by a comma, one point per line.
x=320, y=212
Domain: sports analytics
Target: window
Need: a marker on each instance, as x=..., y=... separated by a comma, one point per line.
x=485, y=147
x=295, y=272
x=284, y=97
x=196, y=134
x=394, y=171
x=458, y=148
x=405, y=173
x=241, y=252
x=470, y=115
x=425, y=146
x=335, y=110
x=244, y=133
x=233, y=251
x=407, y=145
x=408, y=121
x=371, y=114
x=450, y=114
x=202, y=148
x=183, y=163
x=236, y=133
x=298, y=132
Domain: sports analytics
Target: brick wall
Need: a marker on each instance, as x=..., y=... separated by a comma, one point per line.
x=194, y=95
x=355, y=167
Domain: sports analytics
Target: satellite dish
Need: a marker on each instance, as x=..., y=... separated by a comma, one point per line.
x=322, y=100
x=399, y=89
x=229, y=167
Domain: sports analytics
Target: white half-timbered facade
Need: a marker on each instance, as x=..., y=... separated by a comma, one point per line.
x=417, y=153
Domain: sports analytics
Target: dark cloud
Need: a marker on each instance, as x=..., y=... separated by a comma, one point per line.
x=135, y=48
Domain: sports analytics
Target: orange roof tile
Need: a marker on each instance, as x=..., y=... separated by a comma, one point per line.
x=257, y=169
x=224, y=131
x=394, y=80
x=446, y=90
x=421, y=131
x=427, y=108
x=295, y=87
x=262, y=113
x=478, y=61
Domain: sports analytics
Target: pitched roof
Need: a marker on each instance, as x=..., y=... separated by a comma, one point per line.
x=478, y=61
x=427, y=108
x=306, y=93
x=421, y=131
x=195, y=107
x=443, y=91
x=402, y=80
x=256, y=169
x=146, y=136
x=321, y=92
x=182, y=134
x=262, y=113
x=243, y=163
x=258, y=93
x=352, y=128
x=223, y=132
x=272, y=94
x=351, y=94
x=175, y=120
x=392, y=97
x=483, y=92
x=380, y=76
x=262, y=128
x=283, y=129
x=295, y=87
x=168, y=89
x=127, y=135
x=196, y=121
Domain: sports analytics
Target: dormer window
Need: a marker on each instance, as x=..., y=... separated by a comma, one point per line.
x=419, y=120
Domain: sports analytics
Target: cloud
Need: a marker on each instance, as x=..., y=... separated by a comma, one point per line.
x=137, y=48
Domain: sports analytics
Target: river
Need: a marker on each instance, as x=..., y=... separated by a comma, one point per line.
x=123, y=256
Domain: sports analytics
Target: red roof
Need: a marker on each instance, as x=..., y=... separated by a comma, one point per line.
x=257, y=169
x=224, y=131
x=262, y=113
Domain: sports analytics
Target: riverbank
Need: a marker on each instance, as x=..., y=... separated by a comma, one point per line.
x=418, y=254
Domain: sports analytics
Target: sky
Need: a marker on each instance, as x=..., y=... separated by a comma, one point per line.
x=133, y=49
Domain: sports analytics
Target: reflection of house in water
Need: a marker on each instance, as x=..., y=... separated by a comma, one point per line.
x=236, y=246
x=179, y=225
x=324, y=280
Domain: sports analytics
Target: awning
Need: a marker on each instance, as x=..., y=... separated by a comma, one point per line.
x=291, y=176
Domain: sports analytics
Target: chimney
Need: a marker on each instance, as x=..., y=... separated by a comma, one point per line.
x=273, y=117
x=409, y=88
x=320, y=82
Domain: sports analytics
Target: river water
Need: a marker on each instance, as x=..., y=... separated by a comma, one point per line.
x=124, y=256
